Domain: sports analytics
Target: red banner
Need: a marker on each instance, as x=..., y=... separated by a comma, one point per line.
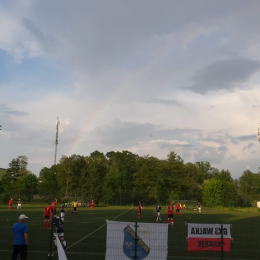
x=208, y=244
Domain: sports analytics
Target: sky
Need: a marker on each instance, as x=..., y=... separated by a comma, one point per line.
x=145, y=76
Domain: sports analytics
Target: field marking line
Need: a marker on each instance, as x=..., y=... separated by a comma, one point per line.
x=96, y=230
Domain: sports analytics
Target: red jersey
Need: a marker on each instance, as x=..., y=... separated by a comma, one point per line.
x=10, y=202
x=92, y=203
x=54, y=205
x=47, y=210
x=178, y=206
x=139, y=208
x=170, y=209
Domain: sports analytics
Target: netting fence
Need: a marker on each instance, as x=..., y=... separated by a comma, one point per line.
x=88, y=240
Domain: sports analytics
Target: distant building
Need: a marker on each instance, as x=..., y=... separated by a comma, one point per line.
x=2, y=172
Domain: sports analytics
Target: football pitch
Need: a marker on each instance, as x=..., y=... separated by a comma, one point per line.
x=85, y=233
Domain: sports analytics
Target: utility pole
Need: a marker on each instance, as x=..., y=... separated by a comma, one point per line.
x=56, y=141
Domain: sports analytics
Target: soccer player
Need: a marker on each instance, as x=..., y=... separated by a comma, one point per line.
x=53, y=207
x=19, y=204
x=170, y=214
x=10, y=203
x=62, y=211
x=59, y=231
x=75, y=203
x=158, y=210
x=92, y=204
x=47, y=215
x=199, y=207
x=184, y=207
x=139, y=209
x=178, y=209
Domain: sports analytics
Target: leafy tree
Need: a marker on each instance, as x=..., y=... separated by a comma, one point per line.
x=212, y=193
x=148, y=177
x=248, y=183
x=96, y=169
x=18, y=167
x=47, y=185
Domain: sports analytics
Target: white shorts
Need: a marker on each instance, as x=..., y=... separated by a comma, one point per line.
x=19, y=205
x=58, y=234
x=158, y=213
x=62, y=214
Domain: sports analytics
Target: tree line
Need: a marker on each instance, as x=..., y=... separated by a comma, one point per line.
x=117, y=176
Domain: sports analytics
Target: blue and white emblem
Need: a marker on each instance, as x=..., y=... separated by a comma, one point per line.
x=142, y=250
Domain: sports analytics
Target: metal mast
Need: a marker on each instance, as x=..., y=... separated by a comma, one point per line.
x=56, y=141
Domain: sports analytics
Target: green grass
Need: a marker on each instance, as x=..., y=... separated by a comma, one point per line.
x=245, y=231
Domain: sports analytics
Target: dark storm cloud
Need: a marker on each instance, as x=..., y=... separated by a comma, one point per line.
x=10, y=111
x=167, y=102
x=224, y=75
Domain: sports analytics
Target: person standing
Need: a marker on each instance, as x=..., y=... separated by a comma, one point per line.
x=10, y=203
x=92, y=204
x=19, y=204
x=59, y=231
x=199, y=207
x=170, y=214
x=62, y=211
x=53, y=206
x=139, y=209
x=158, y=210
x=178, y=209
x=75, y=203
x=20, y=231
x=47, y=214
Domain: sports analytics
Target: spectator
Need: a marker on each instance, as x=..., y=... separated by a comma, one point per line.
x=20, y=231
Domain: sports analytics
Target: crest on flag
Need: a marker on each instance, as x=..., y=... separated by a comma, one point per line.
x=142, y=250
x=145, y=241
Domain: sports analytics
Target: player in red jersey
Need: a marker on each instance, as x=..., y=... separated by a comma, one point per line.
x=139, y=209
x=53, y=206
x=47, y=215
x=178, y=207
x=10, y=203
x=92, y=204
x=170, y=214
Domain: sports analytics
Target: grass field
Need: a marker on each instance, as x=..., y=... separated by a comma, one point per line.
x=86, y=233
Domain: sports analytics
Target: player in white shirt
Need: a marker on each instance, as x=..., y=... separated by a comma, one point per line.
x=158, y=210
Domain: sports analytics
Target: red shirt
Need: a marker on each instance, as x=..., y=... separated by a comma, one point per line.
x=10, y=202
x=54, y=205
x=170, y=209
x=47, y=210
x=139, y=208
x=92, y=203
x=178, y=206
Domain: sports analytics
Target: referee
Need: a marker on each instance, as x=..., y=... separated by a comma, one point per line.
x=75, y=204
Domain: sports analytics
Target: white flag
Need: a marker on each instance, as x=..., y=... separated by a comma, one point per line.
x=152, y=241
x=61, y=253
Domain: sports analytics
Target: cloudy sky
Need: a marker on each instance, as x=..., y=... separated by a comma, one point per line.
x=145, y=76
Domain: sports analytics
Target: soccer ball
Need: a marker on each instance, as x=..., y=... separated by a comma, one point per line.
x=132, y=207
